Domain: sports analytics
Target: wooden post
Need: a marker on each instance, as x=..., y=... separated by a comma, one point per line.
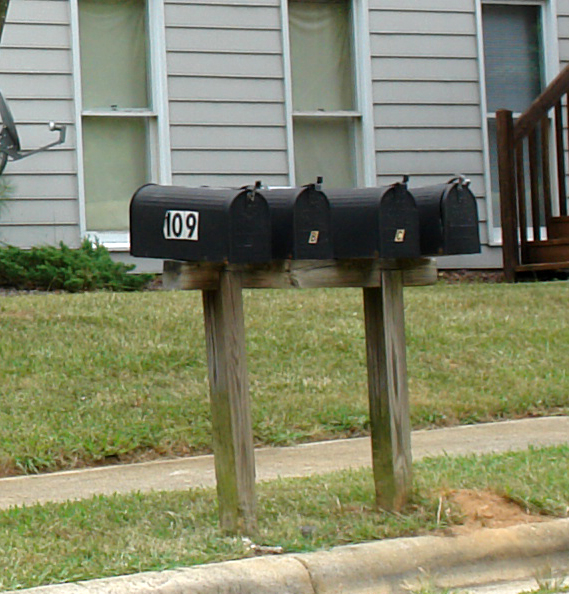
x=545, y=170
x=230, y=404
x=560, y=154
x=521, y=189
x=387, y=368
x=388, y=391
x=508, y=206
x=534, y=184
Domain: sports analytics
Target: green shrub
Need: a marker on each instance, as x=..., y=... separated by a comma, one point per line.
x=64, y=269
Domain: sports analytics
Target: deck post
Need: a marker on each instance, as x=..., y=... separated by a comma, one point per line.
x=230, y=404
x=508, y=205
x=388, y=391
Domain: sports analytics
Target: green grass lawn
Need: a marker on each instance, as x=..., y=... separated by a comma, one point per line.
x=107, y=536
x=91, y=378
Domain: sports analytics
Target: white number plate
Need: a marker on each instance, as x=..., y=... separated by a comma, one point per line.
x=181, y=224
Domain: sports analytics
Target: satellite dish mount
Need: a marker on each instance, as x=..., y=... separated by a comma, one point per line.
x=10, y=148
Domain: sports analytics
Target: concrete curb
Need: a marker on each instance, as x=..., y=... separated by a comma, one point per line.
x=384, y=567
x=483, y=557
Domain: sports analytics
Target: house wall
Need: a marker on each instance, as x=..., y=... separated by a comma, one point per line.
x=36, y=79
x=226, y=93
x=426, y=89
x=563, y=31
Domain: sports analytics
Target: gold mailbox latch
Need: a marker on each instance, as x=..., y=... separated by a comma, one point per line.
x=400, y=236
x=313, y=239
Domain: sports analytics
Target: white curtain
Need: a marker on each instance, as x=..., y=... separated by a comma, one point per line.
x=113, y=53
x=325, y=148
x=115, y=166
x=321, y=55
x=113, y=47
x=322, y=81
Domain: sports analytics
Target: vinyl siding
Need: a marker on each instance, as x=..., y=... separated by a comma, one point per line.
x=226, y=92
x=426, y=97
x=563, y=31
x=226, y=102
x=426, y=92
x=563, y=36
x=37, y=82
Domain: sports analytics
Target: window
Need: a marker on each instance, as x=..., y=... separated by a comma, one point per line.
x=514, y=70
x=118, y=120
x=325, y=113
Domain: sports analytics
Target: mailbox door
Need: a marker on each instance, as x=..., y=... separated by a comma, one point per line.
x=398, y=224
x=460, y=220
x=312, y=226
x=178, y=223
x=250, y=228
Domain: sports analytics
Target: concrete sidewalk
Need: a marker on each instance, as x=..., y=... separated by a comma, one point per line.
x=385, y=567
x=303, y=460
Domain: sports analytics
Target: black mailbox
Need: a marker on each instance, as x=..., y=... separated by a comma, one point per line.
x=200, y=224
x=300, y=222
x=449, y=218
x=374, y=222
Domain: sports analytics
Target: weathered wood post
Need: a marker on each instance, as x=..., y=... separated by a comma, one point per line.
x=382, y=282
x=508, y=203
x=230, y=404
x=388, y=390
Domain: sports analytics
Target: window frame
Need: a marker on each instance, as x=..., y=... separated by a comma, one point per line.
x=362, y=115
x=550, y=46
x=156, y=117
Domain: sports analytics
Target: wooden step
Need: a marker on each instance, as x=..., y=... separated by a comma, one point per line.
x=550, y=251
x=558, y=228
x=547, y=267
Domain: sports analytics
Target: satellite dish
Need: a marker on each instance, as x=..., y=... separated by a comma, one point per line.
x=10, y=147
x=8, y=123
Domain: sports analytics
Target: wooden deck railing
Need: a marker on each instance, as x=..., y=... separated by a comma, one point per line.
x=525, y=163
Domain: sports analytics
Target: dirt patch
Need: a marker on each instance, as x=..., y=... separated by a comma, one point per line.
x=471, y=276
x=486, y=509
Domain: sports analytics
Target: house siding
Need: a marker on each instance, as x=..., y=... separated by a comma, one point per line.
x=426, y=90
x=226, y=102
x=563, y=31
x=226, y=92
x=426, y=99
x=37, y=81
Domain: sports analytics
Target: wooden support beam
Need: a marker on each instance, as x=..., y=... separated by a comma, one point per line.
x=382, y=281
x=508, y=203
x=230, y=404
x=563, y=203
x=521, y=189
x=560, y=154
x=388, y=391
x=298, y=274
x=534, y=184
x=545, y=168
